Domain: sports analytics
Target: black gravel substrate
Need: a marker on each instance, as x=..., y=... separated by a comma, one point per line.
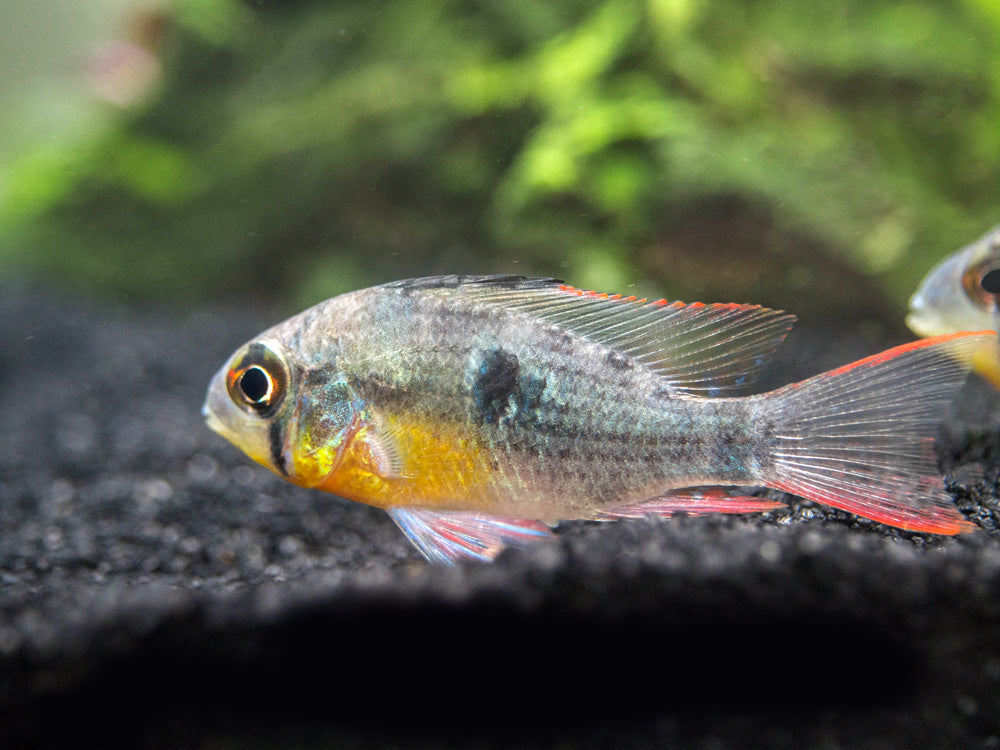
x=159, y=590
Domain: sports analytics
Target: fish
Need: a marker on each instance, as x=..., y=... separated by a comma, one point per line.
x=962, y=293
x=480, y=411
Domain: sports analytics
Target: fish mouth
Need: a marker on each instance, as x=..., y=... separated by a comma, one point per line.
x=216, y=425
x=216, y=401
x=224, y=418
x=922, y=323
x=925, y=312
x=213, y=422
x=207, y=412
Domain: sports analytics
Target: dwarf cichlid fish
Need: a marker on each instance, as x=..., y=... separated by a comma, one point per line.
x=962, y=293
x=480, y=410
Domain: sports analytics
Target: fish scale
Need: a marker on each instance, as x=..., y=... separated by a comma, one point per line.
x=479, y=410
x=600, y=437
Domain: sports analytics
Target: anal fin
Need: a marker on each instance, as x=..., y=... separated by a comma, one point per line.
x=450, y=536
x=694, y=501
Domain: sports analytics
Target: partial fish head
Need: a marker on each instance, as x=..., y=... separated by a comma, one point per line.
x=296, y=421
x=962, y=293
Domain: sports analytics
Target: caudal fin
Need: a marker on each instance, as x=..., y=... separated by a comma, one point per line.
x=860, y=438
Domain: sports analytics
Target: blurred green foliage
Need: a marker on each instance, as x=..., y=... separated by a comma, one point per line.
x=699, y=148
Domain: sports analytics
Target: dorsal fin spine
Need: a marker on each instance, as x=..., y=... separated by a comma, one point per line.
x=699, y=349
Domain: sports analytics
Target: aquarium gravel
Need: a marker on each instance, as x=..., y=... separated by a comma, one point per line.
x=158, y=590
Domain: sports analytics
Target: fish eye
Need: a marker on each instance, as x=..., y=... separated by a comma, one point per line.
x=991, y=281
x=256, y=384
x=259, y=380
x=982, y=283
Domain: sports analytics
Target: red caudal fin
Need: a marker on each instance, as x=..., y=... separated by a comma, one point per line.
x=860, y=438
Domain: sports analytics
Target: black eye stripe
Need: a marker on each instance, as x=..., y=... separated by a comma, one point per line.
x=275, y=442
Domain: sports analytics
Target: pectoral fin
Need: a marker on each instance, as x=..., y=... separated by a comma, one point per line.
x=449, y=536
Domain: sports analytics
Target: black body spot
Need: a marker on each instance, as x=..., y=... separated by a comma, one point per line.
x=495, y=382
x=502, y=391
x=528, y=396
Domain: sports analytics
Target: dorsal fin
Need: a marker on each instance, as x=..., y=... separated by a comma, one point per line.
x=700, y=349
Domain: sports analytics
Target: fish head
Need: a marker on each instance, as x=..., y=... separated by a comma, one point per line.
x=295, y=420
x=961, y=293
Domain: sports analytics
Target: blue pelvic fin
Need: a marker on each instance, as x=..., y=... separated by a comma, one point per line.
x=449, y=536
x=694, y=501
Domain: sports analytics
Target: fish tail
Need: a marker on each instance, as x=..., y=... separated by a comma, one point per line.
x=860, y=438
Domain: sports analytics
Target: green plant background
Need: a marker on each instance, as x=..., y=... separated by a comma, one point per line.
x=815, y=156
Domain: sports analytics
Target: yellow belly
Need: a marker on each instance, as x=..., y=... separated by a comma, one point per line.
x=406, y=463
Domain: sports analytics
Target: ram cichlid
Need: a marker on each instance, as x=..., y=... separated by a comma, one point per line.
x=479, y=411
x=962, y=293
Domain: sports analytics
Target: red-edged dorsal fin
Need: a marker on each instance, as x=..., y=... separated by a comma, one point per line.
x=699, y=349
